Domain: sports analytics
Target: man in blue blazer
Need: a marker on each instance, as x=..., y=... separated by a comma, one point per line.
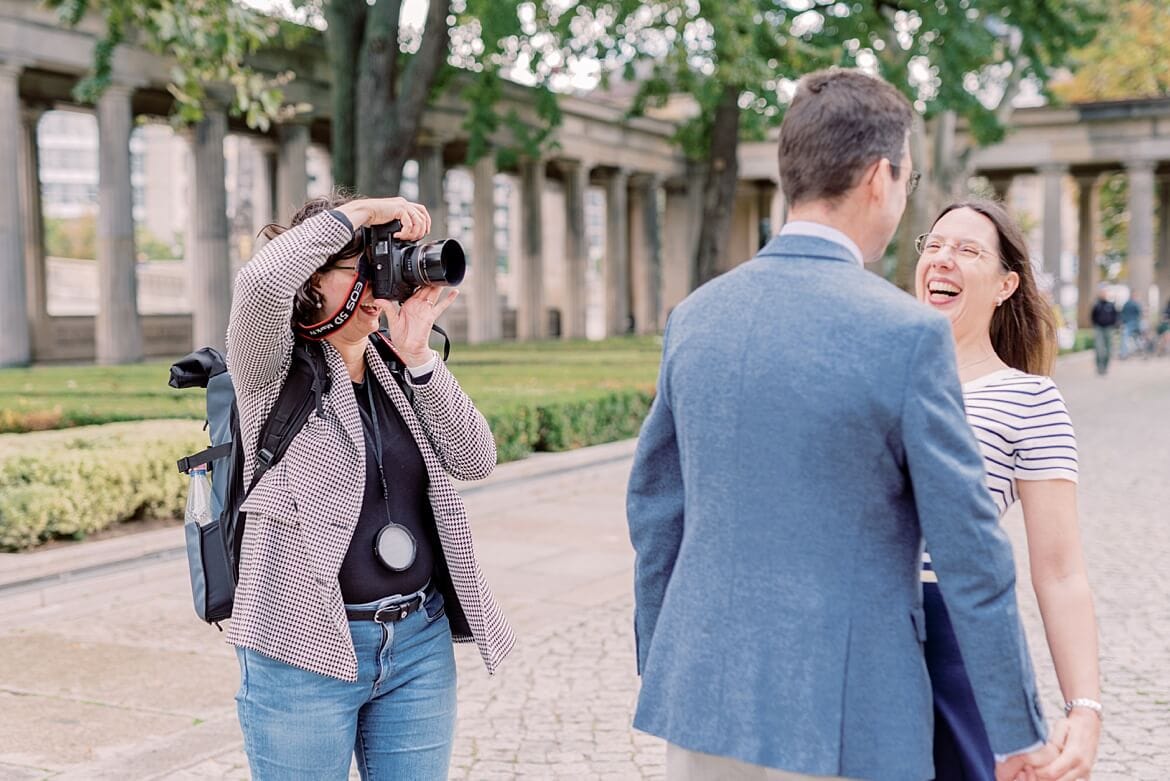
x=807, y=435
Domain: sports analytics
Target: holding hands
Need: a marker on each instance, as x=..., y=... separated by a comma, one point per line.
x=1068, y=756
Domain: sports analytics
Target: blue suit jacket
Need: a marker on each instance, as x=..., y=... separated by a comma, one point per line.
x=807, y=434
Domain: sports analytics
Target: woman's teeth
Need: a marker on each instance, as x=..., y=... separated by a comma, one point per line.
x=369, y=309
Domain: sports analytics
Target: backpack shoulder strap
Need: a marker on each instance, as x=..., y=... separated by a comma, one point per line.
x=308, y=380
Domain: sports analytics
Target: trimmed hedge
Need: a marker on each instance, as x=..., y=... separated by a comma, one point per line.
x=71, y=483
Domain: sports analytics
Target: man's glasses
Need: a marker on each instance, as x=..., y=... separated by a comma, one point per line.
x=911, y=181
x=929, y=245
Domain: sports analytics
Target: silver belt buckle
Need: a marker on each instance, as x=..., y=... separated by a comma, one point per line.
x=388, y=614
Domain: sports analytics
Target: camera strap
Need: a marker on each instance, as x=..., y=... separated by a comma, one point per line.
x=336, y=321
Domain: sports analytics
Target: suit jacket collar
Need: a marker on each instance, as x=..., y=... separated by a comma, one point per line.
x=797, y=246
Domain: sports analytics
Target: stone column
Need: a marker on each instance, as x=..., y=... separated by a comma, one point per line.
x=118, y=328
x=1053, y=174
x=33, y=227
x=1088, y=273
x=617, y=270
x=292, y=178
x=1162, y=269
x=16, y=344
x=530, y=315
x=263, y=193
x=432, y=174
x=645, y=253
x=1141, y=231
x=208, y=260
x=678, y=245
x=576, y=176
x=484, y=316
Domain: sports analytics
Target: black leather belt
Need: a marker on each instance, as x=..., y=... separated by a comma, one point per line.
x=388, y=614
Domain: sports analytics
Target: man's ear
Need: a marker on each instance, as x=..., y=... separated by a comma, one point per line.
x=873, y=179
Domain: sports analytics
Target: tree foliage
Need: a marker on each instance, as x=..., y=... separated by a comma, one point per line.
x=966, y=57
x=210, y=42
x=1128, y=58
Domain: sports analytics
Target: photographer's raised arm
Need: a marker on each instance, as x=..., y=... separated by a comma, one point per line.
x=260, y=336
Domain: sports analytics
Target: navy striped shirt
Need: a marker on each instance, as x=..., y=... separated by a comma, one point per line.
x=1024, y=432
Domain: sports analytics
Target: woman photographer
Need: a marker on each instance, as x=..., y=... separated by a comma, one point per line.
x=356, y=569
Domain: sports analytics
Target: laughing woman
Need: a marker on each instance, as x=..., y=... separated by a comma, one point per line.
x=973, y=267
x=357, y=569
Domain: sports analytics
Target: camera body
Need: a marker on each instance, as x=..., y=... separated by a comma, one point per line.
x=397, y=268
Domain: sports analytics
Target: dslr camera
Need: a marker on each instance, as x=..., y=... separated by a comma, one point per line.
x=397, y=268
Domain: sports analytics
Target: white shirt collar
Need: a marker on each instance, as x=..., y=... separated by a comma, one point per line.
x=819, y=231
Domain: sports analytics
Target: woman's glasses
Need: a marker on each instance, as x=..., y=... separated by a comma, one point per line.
x=929, y=245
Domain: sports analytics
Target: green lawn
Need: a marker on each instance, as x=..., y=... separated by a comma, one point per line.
x=496, y=376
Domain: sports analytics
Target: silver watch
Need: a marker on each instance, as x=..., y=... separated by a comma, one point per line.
x=1084, y=702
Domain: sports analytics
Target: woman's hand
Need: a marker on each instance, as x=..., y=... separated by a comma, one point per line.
x=416, y=221
x=411, y=321
x=1077, y=736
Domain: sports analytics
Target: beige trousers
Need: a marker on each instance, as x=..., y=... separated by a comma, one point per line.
x=684, y=765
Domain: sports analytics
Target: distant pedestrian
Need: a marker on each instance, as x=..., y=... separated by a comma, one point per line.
x=1104, y=317
x=1131, y=326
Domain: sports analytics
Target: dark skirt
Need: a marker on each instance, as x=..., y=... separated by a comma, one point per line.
x=962, y=751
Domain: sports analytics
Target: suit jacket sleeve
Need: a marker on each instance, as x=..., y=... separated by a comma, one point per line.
x=260, y=336
x=654, y=510
x=969, y=550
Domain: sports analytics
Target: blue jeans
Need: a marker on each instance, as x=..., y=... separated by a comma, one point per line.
x=1102, y=344
x=397, y=720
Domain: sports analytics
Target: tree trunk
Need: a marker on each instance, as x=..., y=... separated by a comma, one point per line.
x=389, y=119
x=378, y=139
x=718, y=187
x=343, y=40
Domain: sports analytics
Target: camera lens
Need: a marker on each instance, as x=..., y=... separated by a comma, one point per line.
x=439, y=263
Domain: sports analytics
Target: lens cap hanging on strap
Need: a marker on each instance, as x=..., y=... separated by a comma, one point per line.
x=395, y=547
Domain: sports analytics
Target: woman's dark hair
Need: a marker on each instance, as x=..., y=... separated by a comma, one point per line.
x=839, y=122
x=308, y=302
x=1023, y=328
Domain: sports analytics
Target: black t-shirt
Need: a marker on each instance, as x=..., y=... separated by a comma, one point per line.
x=363, y=577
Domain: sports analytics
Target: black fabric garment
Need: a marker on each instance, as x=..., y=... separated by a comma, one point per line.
x=1104, y=314
x=363, y=577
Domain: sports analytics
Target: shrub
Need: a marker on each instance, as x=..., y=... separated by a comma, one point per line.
x=71, y=483
x=74, y=482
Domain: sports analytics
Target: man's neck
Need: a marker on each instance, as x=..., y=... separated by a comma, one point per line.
x=841, y=218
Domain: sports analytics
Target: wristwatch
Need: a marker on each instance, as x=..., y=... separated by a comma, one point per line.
x=1084, y=702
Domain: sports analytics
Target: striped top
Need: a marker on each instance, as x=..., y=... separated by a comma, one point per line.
x=1023, y=429
x=1024, y=432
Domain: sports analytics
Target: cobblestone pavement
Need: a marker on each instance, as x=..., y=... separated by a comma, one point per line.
x=115, y=680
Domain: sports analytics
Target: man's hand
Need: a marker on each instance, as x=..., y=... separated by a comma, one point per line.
x=1022, y=767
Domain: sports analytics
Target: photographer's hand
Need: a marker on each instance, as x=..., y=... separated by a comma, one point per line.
x=411, y=321
x=416, y=221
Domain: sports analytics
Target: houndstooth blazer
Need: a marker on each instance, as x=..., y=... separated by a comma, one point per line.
x=303, y=512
